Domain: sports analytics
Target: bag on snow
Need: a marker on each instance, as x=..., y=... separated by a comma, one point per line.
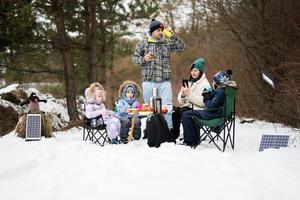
x=157, y=130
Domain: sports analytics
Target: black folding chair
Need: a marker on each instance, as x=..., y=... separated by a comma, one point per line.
x=93, y=132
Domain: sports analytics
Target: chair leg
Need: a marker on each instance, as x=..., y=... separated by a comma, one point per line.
x=202, y=137
x=224, y=141
x=218, y=137
x=97, y=140
x=207, y=134
x=86, y=134
x=96, y=136
x=102, y=136
x=226, y=133
x=233, y=134
x=230, y=129
x=91, y=135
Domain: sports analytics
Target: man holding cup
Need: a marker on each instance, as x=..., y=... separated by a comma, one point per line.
x=153, y=54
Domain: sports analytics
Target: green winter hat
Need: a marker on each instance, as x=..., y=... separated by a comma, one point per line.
x=199, y=64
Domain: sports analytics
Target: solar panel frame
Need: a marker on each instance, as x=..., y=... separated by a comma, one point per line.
x=273, y=141
x=33, y=127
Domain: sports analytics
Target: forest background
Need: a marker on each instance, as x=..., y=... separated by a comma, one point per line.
x=72, y=43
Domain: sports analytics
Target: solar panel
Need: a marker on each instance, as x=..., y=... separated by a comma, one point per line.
x=33, y=127
x=273, y=141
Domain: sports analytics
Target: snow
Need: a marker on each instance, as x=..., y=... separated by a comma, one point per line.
x=53, y=105
x=65, y=167
x=56, y=108
x=9, y=88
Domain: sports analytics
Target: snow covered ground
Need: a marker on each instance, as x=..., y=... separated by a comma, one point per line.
x=65, y=167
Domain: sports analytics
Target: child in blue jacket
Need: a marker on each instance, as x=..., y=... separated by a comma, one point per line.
x=129, y=91
x=213, y=101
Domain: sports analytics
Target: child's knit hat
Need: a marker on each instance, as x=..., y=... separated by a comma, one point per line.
x=221, y=77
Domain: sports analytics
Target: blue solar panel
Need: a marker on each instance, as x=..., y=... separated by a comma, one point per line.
x=273, y=141
x=33, y=127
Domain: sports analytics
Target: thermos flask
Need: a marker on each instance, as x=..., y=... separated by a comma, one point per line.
x=153, y=99
x=158, y=105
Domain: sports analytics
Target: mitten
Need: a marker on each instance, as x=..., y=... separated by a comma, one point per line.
x=207, y=94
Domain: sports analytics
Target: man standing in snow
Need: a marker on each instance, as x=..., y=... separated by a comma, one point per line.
x=153, y=54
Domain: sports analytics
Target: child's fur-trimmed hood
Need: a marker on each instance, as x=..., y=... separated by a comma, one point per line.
x=125, y=85
x=90, y=92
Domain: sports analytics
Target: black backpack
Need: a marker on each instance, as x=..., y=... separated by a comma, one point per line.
x=157, y=130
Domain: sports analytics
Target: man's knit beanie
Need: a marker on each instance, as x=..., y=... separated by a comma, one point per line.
x=155, y=24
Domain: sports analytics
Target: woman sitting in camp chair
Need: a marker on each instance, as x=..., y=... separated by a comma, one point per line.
x=34, y=108
x=213, y=100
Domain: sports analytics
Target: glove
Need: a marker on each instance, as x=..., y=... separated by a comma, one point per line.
x=207, y=94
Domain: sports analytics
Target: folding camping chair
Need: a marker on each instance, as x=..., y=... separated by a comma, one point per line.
x=93, y=132
x=225, y=123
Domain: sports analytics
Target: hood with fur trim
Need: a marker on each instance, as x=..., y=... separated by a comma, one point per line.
x=90, y=92
x=125, y=85
x=229, y=83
